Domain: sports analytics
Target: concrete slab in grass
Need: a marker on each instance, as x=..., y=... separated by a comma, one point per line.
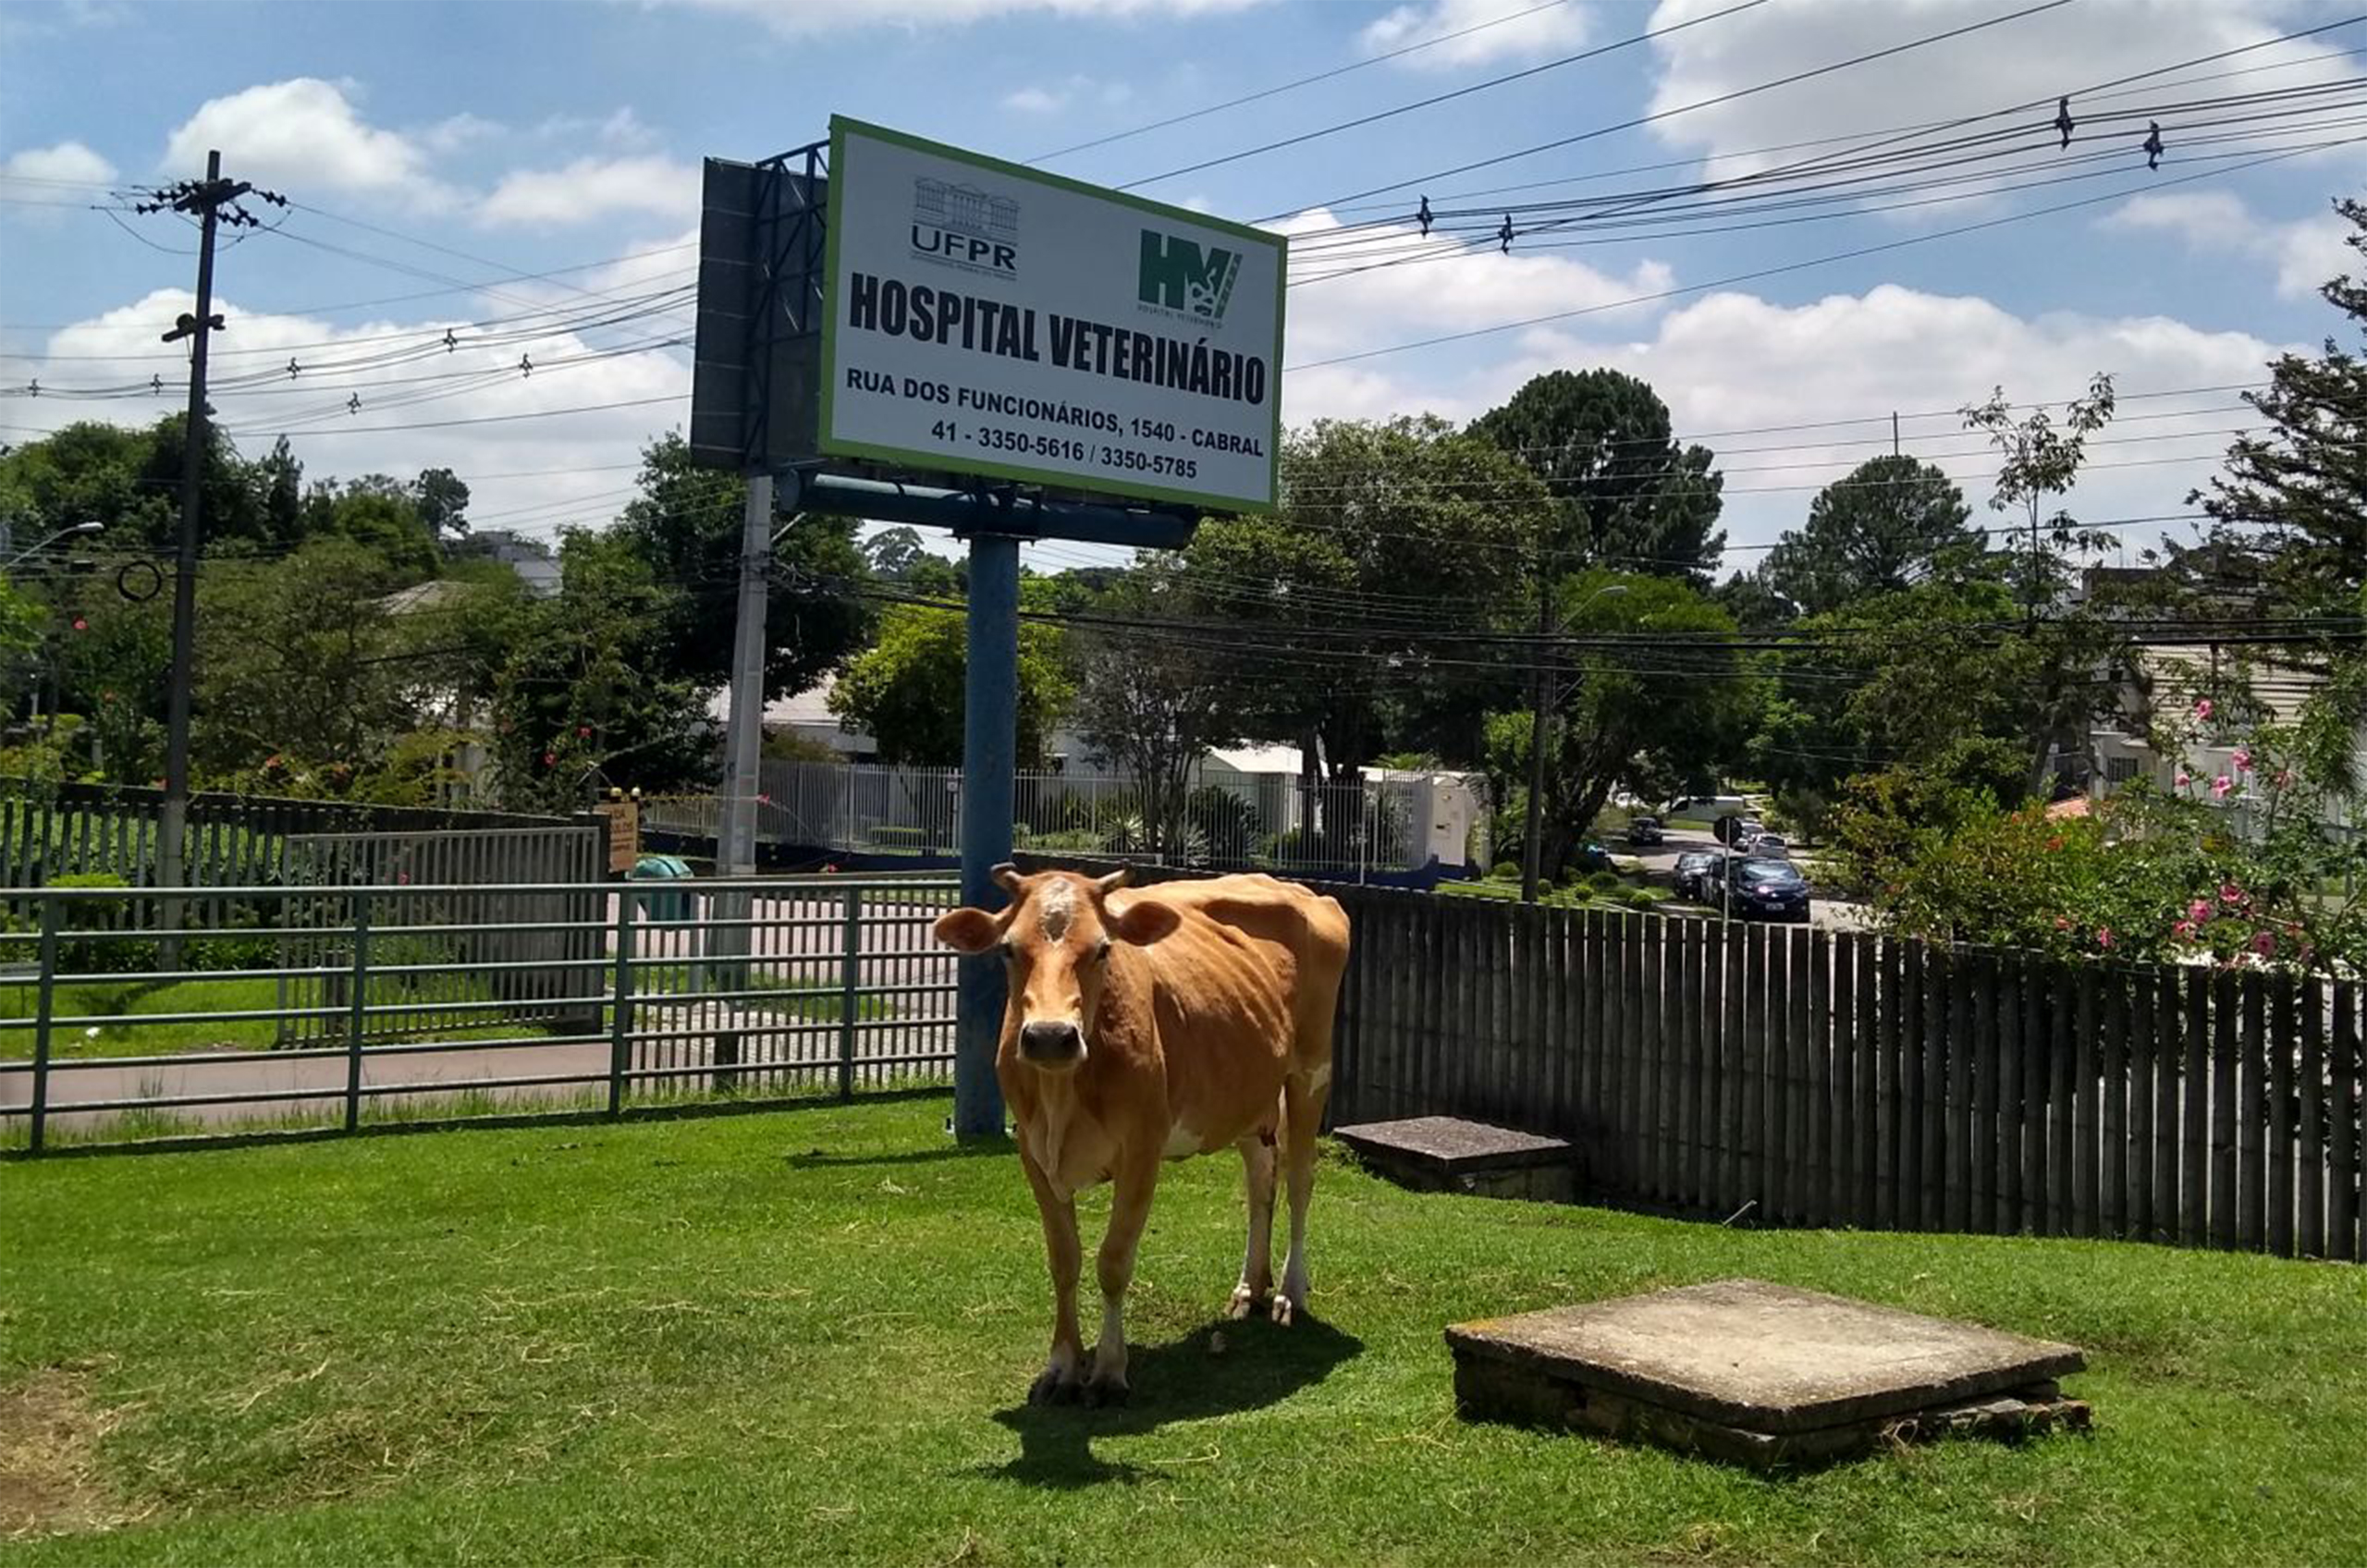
x=1450, y=1154
x=1759, y=1372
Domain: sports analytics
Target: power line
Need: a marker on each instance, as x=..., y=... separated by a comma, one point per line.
x=1487, y=85
x=1758, y=273
x=1263, y=94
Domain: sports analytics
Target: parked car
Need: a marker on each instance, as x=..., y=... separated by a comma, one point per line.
x=1737, y=831
x=1771, y=846
x=1592, y=856
x=1696, y=875
x=1766, y=889
x=1645, y=830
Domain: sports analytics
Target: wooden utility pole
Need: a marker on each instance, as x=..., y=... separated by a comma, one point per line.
x=213, y=200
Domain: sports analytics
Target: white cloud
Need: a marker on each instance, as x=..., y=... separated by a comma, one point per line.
x=460, y=131
x=2002, y=66
x=802, y=17
x=569, y=468
x=624, y=130
x=1733, y=361
x=302, y=135
x=68, y=162
x=2303, y=254
x=1078, y=90
x=591, y=188
x=1506, y=29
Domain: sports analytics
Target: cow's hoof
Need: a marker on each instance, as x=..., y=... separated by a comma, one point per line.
x=1055, y=1387
x=1111, y=1392
x=1284, y=1310
x=1243, y=1302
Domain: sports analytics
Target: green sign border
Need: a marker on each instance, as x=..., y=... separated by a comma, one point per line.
x=1059, y=478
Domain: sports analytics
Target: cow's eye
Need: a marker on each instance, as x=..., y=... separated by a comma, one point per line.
x=1010, y=951
x=1101, y=953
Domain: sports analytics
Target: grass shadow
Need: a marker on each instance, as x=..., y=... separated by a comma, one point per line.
x=1187, y=1380
x=967, y=1148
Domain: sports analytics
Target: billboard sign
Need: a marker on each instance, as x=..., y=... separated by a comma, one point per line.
x=989, y=319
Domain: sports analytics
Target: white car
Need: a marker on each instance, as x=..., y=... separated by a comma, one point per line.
x=1769, y=846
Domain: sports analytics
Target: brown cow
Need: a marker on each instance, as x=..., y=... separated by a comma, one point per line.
x=1165, y=1021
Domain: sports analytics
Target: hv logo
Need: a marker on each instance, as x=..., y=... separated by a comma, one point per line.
x=1178, y=276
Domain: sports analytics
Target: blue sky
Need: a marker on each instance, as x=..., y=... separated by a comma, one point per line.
x=521, y=138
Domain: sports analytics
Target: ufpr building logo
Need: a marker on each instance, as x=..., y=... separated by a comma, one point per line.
x=970, y=228
x=1178, y=276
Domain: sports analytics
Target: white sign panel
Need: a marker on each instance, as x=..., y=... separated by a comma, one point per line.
x=989, y=319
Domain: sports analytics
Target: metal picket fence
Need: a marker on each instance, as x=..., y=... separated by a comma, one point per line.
x=330, y=1007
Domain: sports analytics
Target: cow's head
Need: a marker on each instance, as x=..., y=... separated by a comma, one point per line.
x=1056, y=937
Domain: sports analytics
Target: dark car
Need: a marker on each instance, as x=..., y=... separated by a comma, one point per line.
x=1645, y=830
x=1696, y=875
x=1592, y=856
x=1766, y=889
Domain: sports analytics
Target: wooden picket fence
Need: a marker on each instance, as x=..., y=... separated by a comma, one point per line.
x=50, y=830
x=1800, y=1077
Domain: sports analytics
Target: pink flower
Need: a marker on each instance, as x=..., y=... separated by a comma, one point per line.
x=2221, y=785
x=2283, y=777
x=2061, y=923
x=2264, y=942
x=2202, y=707
x=2185, y=778
x=2104, y=936
x=2243, y=759
x=2198, y=912
x=2184, y=930
x=2230, y=894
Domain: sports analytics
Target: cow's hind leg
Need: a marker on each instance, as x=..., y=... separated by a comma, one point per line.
x=1059, y=1381
x=1303, y=1097
x=1257, y=1262
x=1129, y=1208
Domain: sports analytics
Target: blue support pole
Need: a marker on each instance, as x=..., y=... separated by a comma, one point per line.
x=989, y=757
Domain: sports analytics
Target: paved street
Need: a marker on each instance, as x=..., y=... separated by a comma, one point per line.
x=1659, y=863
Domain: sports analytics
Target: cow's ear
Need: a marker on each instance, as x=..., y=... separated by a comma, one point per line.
x=967, y=930
x=1143, y=922
x=1105, y=885
x=1007, y=876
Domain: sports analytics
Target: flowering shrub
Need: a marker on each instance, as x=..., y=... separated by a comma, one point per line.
x=2235, y=869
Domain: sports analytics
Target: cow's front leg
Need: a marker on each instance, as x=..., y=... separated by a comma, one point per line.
x=1059, y=1383
x=1129, y=1208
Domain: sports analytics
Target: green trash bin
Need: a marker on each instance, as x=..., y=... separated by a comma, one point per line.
x=662, y=906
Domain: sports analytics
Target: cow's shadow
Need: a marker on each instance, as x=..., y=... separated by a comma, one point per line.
x=1253, y=1365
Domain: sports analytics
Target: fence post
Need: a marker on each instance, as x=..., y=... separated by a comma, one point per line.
x=43, y=1012
x=354, y=1017
x=620, y=1000
x=850, y=978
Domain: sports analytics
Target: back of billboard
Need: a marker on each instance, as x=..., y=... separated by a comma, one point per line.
x=757, y=346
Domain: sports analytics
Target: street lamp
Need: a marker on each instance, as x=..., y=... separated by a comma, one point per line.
x=61, y=534
x=1545, y=699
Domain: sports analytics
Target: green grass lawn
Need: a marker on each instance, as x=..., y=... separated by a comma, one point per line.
x=233, y=993
x=802, y=1336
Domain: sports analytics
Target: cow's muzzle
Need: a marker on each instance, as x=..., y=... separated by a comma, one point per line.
x=1051, y=1045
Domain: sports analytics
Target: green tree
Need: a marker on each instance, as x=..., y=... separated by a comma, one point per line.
x=686, y=527
x=1152, y=704
x=1329, y=609
x=1632, y=497
x=1890, y=523
x=1634, y=713
x=441, y=501
x=2290, y=511
x=302, y=659
x=906, y=689
x=580, y=698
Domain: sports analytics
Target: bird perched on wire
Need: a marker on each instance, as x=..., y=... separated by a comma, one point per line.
x=2063, y=121
x=2152, y=144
